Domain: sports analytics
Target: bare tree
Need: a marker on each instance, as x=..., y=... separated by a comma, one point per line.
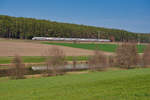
x=146, y=56
x=98, y=61
x=18, y=68
x=55, y=61
x=127, y=55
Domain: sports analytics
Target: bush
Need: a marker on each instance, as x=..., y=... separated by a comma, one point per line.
x=74, y=62
x=111, y=61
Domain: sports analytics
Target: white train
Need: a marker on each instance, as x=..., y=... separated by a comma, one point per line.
x=70, y=39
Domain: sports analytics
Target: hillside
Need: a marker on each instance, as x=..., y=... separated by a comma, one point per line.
x=111, y=85
x=26, y=28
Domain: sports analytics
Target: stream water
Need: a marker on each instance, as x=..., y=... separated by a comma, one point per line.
x=38, y=69
x=66, y=67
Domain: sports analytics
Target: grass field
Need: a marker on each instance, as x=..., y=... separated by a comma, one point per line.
x=91, y=46
x=38, y=59
x=111, y=85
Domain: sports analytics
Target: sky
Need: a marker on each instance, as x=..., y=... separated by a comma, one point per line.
x=130, y=15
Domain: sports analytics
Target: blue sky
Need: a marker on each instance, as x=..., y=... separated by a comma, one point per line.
x=131, y=15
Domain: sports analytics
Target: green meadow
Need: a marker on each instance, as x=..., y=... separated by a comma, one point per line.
x=92, y=46
x=131, y=84
x=38, y=59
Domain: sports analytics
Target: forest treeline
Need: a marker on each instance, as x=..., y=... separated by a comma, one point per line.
x=26, y=28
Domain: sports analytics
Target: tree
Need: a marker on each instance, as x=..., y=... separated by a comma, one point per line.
x=26, y=28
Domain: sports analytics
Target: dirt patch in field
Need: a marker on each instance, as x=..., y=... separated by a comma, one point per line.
x=33, y=48
x=78, y=72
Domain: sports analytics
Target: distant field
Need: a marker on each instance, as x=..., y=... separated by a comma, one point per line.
x=38, y=59
x=111, y=85
x=90, y=46
x=35, y=48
